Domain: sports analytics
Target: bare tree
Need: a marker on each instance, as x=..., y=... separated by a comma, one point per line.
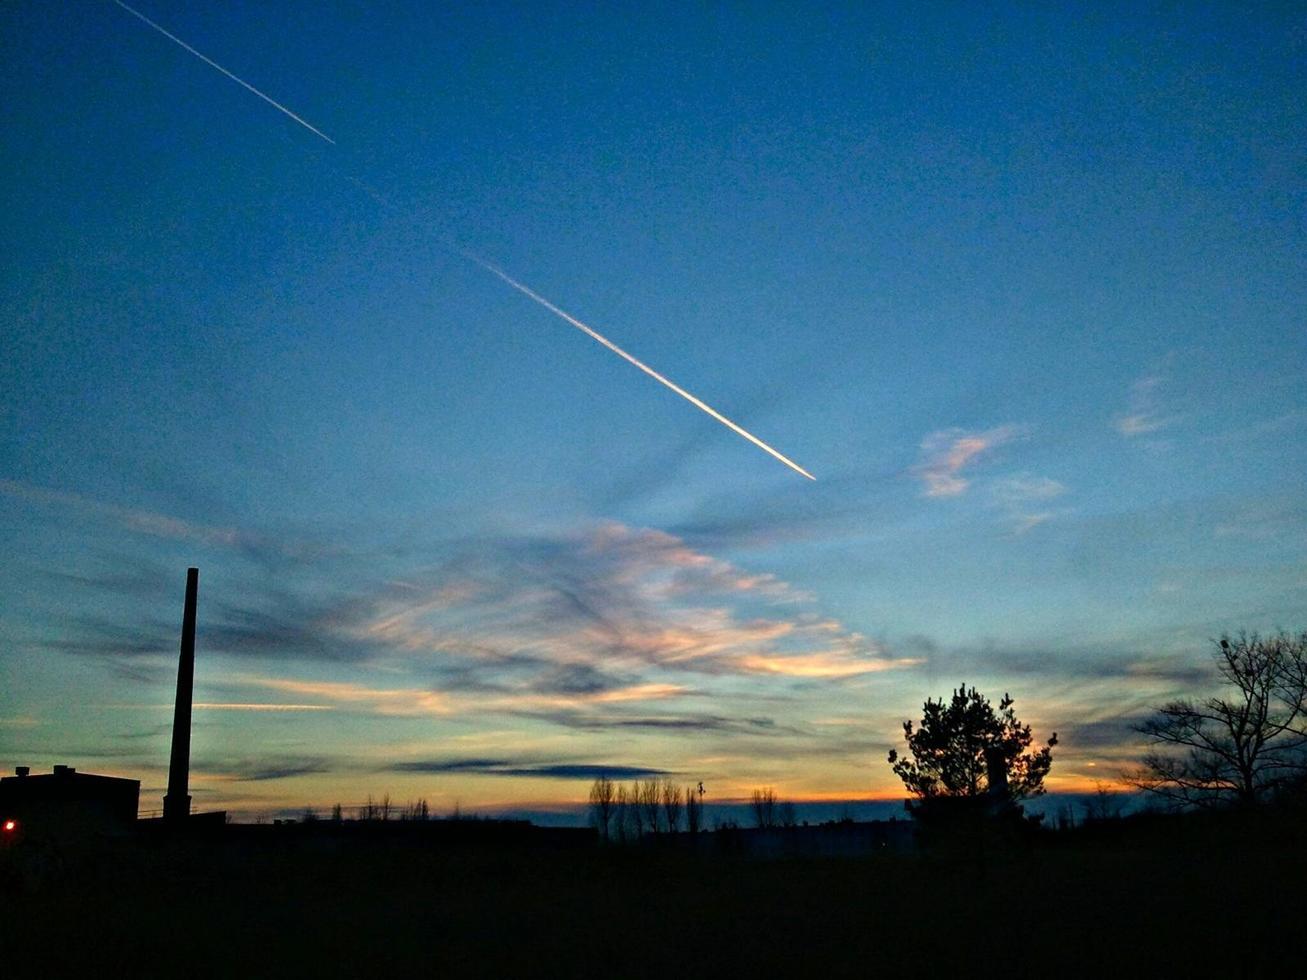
x=337, y=814
x=1239, y=748
x=693, y=809
x=650, y=798
x=416, y=810
x=635, y=812
x=368, y=811
x=602, y=797
x=1102, y=806
x=763, y=805
x=673, y=801
x=384, y=809
x=621, y=814
x=787, y=815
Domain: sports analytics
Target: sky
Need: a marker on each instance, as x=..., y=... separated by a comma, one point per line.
x=1023, y=289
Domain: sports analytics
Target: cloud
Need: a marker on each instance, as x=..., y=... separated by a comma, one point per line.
x=1023, y=488
x=1025, y=498
x=260, y=770
x=599, y=615
x=125, y=575
x=700, y=723
x=256, y=706
x=267, y=549
x=289, y=627
x=1144, y=413
x=384, y=701
x=604, y=626
x=947, y=453
x=281, y=772
x=1116, y=664
x=504, y=767
x=824, y=664
x=132, y=519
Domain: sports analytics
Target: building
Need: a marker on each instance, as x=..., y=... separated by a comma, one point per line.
x=66, y=805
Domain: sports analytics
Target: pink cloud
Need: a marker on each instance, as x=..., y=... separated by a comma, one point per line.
x=947, y=453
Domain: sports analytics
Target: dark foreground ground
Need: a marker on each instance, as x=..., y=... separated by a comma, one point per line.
x=1159, y=898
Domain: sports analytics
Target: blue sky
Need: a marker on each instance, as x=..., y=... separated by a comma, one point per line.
x=1024, y=289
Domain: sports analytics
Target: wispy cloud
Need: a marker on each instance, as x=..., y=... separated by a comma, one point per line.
x=256, y=706
x=827, y=663
x=607, y=625
x=384, y=701
x=259, y=770
x=1144, y=412
x=511, y=767
x=605, y=609
x=946, y=454
x=129, y=518
x=268, y=549
x=1026, y=500
x=1024, y=488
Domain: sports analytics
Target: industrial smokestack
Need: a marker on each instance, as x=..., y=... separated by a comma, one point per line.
x=177, y=804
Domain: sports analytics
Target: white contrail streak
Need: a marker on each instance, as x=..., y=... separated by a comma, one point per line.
x=697, y=403
x=213, y=64
x=494, y=270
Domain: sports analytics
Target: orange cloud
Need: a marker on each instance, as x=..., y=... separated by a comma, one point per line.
x=827, y=664
x=385, y=701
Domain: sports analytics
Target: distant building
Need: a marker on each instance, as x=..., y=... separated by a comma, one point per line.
x=66, y=805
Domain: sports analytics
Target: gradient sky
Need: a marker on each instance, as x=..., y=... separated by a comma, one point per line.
x=1023, y=288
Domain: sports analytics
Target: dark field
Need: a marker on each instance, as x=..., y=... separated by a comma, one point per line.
x=1159, y=897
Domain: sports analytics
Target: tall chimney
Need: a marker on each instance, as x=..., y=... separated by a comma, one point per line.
x=177, y=804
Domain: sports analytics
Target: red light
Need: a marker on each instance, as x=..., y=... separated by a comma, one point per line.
x=11, y=826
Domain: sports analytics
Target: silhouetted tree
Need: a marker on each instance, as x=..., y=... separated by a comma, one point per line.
x=693, y=809
x=384, y=808
x=621, y=814
x=649, y=797
x=602, y=796
x=964, y=748
x=417, y=810
x=763, y=805
x=1102, y=806
x=1066, y=817
x=786, y=815
x=673, y=800
x=1239, y=748
x=634, y=811
x=337, y=814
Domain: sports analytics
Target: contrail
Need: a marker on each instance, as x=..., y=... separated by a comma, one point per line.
x=697, y=403
x=494, y=270
x=213, y=64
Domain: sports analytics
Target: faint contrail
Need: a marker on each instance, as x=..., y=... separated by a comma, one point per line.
x=697, y=403
x=213, y=64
